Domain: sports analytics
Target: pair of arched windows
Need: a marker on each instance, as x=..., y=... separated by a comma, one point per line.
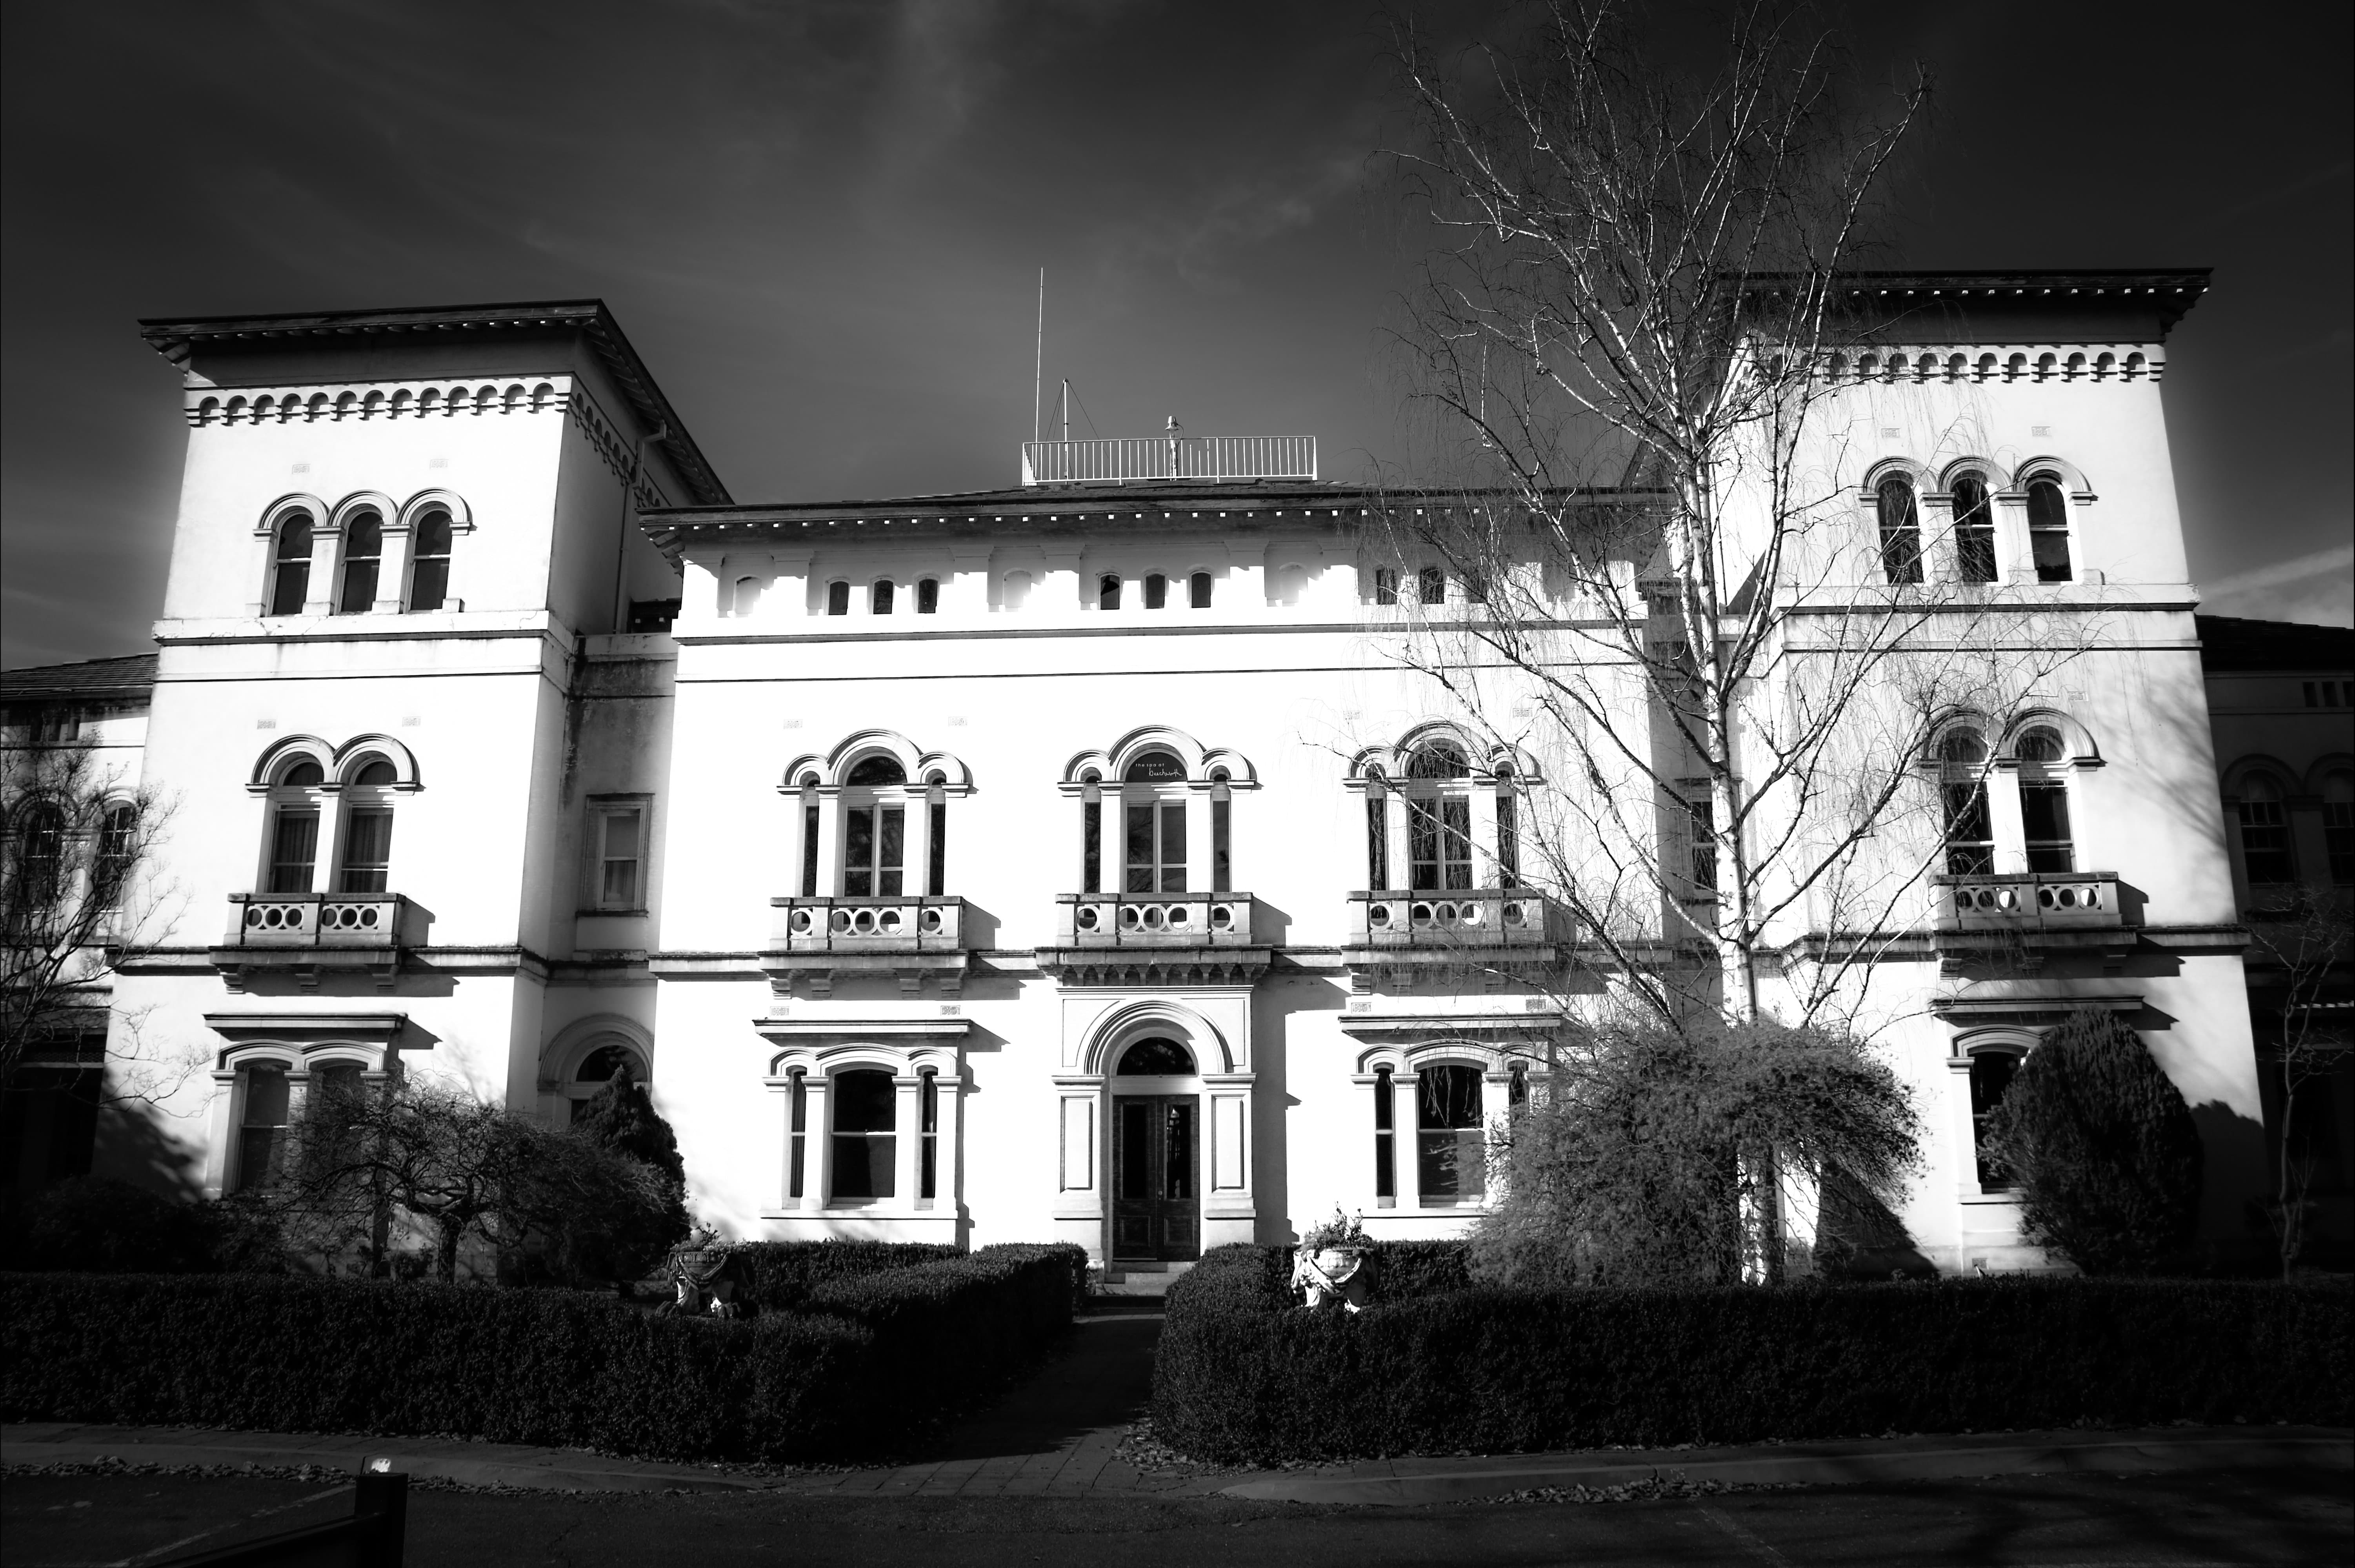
x=361, y=565
x=1438, y=795
x=268, y=1106
x=1154, y=591
x=1972, y=509
x=299, y=798
x=1152, y=853
x=2041, y=760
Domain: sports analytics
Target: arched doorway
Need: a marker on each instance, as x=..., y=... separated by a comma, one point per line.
x=1157, y=1153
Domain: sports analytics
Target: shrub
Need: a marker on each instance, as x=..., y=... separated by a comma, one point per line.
x=623, y=1241
x=1237, y=1379
x=780, y=1274
x=2103, y=1148
x=98, y=1225
x=889, y=1355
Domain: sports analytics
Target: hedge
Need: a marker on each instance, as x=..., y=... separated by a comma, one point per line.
x=782, y=1273
x=292, y=1353
x=1239, y=1377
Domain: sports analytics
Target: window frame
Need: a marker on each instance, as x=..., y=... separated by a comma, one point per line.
x=357, y=573
x=295, y=589
x=1901, y=537
x=602, y=811
x=1973, y=528
x=2043, y=531
x=1163, y=801
x=427, y=564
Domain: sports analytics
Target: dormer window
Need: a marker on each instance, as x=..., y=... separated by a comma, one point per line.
x=363, y=556
x=2047, y=530
x=290, y=570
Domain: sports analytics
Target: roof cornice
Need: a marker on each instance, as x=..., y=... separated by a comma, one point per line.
x=176, y=339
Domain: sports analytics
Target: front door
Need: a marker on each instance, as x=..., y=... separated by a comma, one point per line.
x=1157, y=1214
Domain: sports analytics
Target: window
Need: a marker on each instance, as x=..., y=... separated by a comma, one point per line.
x=118, y=847
x=1991, y=1074
x=1509, y=830
x=1901, y=531
x=1970, y=829
x=1108, y=592
x=1700, y=829
x=1091, y=846
x=1974, y=529
x=1157, y=1057
x=41, y=855
x=1386, y=585
x=2265, y=833
x=1439, y=825
x=368, y=831
x=1385, y=1137
x=1450, y=1137
x=1018, y=589
x=1430, y=586
x=1197, y=590
x=1154, y=826
x=798, y=1134
x=928, y=596
x=1222, y=834
x=879, y=597
x=601, y=1067
x=294, y=826
x=1157, y=591
x=747, y=595
x=363, y=555
x=1377, y=836
x=620, y=847
x=936, y=840
x=429, y=562
x=2339, y=825
x=262, y=1129
x=809, y=835
x=58, y=724
x=874, y=839
x=2047, y=530
x=2044, y=801
x=928, y=1133
x=649, y=614
x=866, y=1110
x=837, y=598
x=290, y=571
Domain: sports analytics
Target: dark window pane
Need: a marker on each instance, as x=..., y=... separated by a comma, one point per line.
x=1157, y=591
x=837, y=598
x=859, y=852
x=1177, y=1153
x=875, y=772
x=1430, y=586
x=368, y=851
x=863, y=1166
x=362, y=552
x=2264, y=841
x=1900, y=532
x=1221, y=868
x=1108, y=592
x=928, y=596
x=1991, y=1074
x=1378, y=843
x=293, y=850
x=289, y=585
x=1090, y=847
x=1423, y=846
x=1135, y=1149
x=429, y=584
x=888, y=851
x=1199, y=589
x=1140, y=850
x=936, y=852
x=1385, y=585
x=881, y=601
x=1455, y=841
x=809, y=851
x=1173, y=847
x=1974, y=529
x=1155, y=1057
x=1508, y=839
x=864, y=1101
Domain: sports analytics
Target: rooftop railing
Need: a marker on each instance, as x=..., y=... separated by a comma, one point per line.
x=1133, y=460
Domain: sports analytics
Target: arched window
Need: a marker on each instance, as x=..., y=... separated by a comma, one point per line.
x=363, y=556
x=1974, y=529
x=262, y=1127
x=1508, y=829
x=1108, y=591
x=2265, y=833
x=601, y=1067
x=290, y=570
x=747, y=595
x=928, y=596
x=865, y=1136
x=294, y=806
x=429, y=561
x=1438, y=820
x=366, y=862
x=1157, y=591
x=1197, y=590
x=837, y=598
x=2044, y=800
x=2339, y=825
x=2048, y=528
x=1154, y=824
x=875, y=828
x=1901, y=531
x=1970, y=828
x=40, y=858
x=1451, y=1135
x=1157, y=1057
x=879, y=595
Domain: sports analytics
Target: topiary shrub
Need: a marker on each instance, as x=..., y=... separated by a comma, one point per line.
x=2102, y=1149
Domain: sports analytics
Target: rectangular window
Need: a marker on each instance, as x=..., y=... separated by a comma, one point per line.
x=262, y=1134
x=799, y=1124
x=293, y=850
x=809, y=851
x=874, y=840
x=2050, y=546
x=2264, y=841
x=1090, y=847
x=866, y=1138
x=936, y=849
x=620, y=846
x=1385, y=585
x=1991, y=1074
x=928, y=1165
x=2338, y=838
x=1970, y=832
x=1221, y=848
x=1700, y=829
x=1430, y=586
x=368, y=850
x=1385, y=1138
x=1439, y=844
x=1378, y=844
x=1451, y=1135
x=290, y=582
x=1508, y=839
x=1156, y=860
x=2044, y=821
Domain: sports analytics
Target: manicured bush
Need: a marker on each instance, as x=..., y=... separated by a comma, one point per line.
x=883, y=1358
x=95, y=1225
x=780, y=1274
x=1240, y=1377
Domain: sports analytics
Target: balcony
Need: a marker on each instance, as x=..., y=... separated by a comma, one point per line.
x=817, y=940
x=308, y=935
x=2035, y=913
x=1155, y=939
x=1172, y=456
x=1510, y=929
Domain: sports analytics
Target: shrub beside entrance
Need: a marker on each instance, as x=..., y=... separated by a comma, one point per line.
x=1243, y=1377
x=846, y=1375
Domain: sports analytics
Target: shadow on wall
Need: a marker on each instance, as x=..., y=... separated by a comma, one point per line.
x=140, y=1144
x=1857, y=1237
x=2235, y=1235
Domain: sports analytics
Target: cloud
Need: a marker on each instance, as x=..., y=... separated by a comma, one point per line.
x=2317, y=588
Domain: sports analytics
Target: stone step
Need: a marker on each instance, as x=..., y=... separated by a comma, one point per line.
x=1142, y=1278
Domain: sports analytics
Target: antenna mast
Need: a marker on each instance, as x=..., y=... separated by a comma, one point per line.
x=1067, y=408
x=1038, y=364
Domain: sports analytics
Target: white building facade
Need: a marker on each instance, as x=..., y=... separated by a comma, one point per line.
x=1071, y=861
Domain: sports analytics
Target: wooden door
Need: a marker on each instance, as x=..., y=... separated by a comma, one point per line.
x=1156, y=1210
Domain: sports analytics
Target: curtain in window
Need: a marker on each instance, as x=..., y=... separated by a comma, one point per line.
x=368, y=850
x=865, y=1140
x=294, y=850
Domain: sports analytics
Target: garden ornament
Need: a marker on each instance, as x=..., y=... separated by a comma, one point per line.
x=1331, y=1275
x=706, y=1274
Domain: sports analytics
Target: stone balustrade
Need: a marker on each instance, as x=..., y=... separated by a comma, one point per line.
x=851, y=926
x=2028, y=901
x=1480, y=917
x=1154, y=920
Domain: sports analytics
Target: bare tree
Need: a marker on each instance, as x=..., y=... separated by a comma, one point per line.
x=1629, y=323
x=2299, y=957
x=78, y=897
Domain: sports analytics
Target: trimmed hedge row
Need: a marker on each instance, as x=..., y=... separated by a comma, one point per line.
x=528, y=1366
x=1239, y=1377
x=782, y=1273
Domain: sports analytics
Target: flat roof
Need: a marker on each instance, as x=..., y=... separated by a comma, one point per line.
x=173, y=337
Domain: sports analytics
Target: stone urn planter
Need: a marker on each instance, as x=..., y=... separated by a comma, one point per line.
x=1332, y=1276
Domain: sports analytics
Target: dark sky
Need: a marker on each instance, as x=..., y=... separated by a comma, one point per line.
x=821, y=225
